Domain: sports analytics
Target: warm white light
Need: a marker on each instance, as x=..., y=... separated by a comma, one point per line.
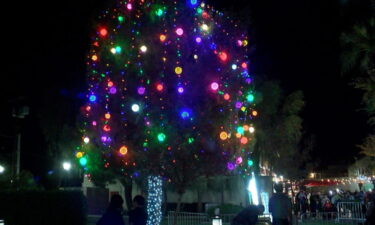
x=143, y=48
x=251, y=129
x=135, y=108
x=67, y=166
x=2, y=169
x=86, y=140
x=205, y=27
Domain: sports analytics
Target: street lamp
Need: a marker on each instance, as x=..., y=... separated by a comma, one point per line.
x=67, y=166
x=2, y=169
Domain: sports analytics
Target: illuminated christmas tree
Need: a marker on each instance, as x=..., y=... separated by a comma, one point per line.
x=169, y=94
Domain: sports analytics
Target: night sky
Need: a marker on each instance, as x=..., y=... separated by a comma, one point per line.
x=297, y=43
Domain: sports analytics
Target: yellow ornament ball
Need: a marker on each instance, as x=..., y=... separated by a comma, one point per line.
x=238, y=135
x=123, y=150
x=245, y=43
x=178, y=70
x=79, y=155
x=254, y=113
x=223, y=136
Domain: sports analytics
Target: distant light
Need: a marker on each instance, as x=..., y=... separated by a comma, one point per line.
x=204, y=27
x=121, y=19
x=159, y=12
x=113, y=90
x=159, y=87
x=223, y=135
x=240, y=130
x=129, y=6
x=223, y=56
x=227, y=96
x=251, y=129
x=244, y=140
x=92, y=98
x=2, y=169
x=214, y=86
x=198, y=40
x=141, y=90
x=94, y=58
x=193, y=2
x=143, y=48
x=250, y=163
x=239, y=160
x=231, y=166
x=162, y=37
x=161, y=137
x=179, y=31
x=185, y=114
x=180, y=90
x=250, y=98
x=178, y=70
x=135, y=108
x=103, y=32
x=86, y=140
x=123, y=150
x=66, y=166
x=79, y=155
x=83, y=161
x=234, y=67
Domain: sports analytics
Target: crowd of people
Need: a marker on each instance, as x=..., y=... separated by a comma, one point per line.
x=327, y=202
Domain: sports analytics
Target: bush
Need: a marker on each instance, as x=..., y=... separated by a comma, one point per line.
x=225, y=209
x=43, y=208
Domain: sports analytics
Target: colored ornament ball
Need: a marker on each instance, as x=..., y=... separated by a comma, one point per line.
x=123, y=150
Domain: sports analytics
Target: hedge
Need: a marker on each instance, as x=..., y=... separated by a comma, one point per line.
x=43, y=208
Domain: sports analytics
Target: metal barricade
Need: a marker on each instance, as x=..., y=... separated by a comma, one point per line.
x=186, y=218
x=351, y=212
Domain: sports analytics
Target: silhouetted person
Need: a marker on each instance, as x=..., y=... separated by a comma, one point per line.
x=280, y=206
x=248, y=216
x=113, y=215
x=138, y=215
x=370, y=214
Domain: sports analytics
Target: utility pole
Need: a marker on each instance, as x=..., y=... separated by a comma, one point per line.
x=19, y=113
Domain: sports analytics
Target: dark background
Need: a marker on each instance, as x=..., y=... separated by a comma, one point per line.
x=45, y=44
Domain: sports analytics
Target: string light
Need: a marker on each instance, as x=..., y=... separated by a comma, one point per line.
x=154, y=200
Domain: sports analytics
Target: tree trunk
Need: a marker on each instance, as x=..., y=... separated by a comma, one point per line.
x=200, y=203
x=128, y=194
x=178, y=209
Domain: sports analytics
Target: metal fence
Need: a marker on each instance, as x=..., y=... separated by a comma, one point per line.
x=347, y=213
x=186, y=218
x=351, y=211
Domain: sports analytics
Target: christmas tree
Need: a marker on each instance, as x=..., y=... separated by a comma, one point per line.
x=169, y=94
